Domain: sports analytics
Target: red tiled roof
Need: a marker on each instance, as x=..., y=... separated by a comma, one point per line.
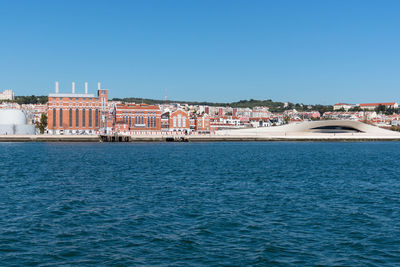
x=137, y=106
x=341, y=104
x=377, y=104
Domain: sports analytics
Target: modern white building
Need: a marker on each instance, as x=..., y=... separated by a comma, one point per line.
x=7, y=95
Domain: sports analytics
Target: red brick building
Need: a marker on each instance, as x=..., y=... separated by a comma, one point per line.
x=202, y=124
x=179, y=121
x=72, y=113
x=137, y=117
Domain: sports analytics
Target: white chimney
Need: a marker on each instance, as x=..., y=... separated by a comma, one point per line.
x=86, y=88
x=73, y=87
x=57, y=90
x=99, y=86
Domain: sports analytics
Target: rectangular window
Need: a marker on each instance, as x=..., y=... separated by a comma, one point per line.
x=90, y=118
x=77, y=118
x=155, y=122
x=96, y=118
x=61, y=117
x=83, y=118
x=70, y=118
x=54, y=117
x=179, y=121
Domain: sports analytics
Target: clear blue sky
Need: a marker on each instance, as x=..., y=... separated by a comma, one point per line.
x=298, y=51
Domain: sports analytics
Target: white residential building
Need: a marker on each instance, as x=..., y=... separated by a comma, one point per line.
x=344, y=106
x=7, y=95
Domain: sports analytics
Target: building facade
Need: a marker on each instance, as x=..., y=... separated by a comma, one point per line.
x=372, y=106
x=202, y=124
x=137, y=117
x=344, y=106
x=179, y=121
x=72, y=113
x=7, y=95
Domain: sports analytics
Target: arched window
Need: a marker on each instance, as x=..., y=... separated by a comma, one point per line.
x=77, y=118
x=70, y=118
x=83, y=118
x=54, y=117
x=90, y=118
x=61, y=117
x=96, y=118
x=179, y=120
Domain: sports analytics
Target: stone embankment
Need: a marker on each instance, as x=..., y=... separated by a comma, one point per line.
x=195, y=138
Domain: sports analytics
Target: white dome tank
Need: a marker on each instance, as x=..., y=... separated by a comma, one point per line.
x=13, y=121
x=12, y=116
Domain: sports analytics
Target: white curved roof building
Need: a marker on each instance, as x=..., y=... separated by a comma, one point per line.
x=312, y=129
x=13, y=121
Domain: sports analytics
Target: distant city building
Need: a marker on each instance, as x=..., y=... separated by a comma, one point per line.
x=234, y=112
x=202, y=124
x=34, y=111
x=343, y=106
x=72, y=113
x=7, y=95
x=220, y=112
x=372, y=106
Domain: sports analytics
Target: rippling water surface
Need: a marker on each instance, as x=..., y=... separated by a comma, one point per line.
x=200, y=204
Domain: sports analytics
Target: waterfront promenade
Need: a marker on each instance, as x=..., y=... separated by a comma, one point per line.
x=200, y=138
x=306, y=131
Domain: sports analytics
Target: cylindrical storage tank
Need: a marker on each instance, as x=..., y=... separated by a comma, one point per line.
x=24, y=129
x=13, y=121
x=6, y=129
x=12, y=116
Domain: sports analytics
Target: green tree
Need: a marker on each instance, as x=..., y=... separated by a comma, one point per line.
x=380, y=109
x=42, y=124
x=355, y=109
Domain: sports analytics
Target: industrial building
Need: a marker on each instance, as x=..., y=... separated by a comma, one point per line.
x=74, y=113
x=137, y=117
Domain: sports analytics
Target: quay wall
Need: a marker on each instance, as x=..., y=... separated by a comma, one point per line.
x=194, y=138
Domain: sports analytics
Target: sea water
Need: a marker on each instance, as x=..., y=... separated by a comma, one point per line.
x=185, y=204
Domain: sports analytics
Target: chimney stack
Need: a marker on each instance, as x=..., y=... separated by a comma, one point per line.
x=57, y=90
x=73, y=87
x=99, y=86
x=86, y=87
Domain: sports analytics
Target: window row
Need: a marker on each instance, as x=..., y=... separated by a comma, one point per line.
x=80, y=118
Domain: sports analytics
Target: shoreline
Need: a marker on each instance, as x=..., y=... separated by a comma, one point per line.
x=214, y=138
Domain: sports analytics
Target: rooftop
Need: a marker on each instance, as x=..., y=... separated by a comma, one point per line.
x=70, y=95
